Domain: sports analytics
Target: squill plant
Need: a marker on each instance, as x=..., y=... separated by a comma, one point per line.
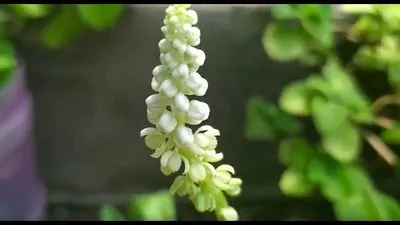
x=171, y=111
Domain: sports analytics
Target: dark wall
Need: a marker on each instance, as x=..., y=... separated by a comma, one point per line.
x=89, y=103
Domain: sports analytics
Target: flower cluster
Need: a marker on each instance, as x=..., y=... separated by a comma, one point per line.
x=171, y=111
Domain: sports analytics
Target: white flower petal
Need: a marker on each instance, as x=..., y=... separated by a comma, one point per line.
x=174, y=162
x=196, y=149
x=154, y=84
x=148, y=130
x=159, y=152
x=181, y=102
x=197, y=172
x=168, y=88
x=160, y=69
x=220, y=184
x=165, y=157
x=165, y=171
x=204, y=128
x=156, y=101
x=187, y=164
x=228, y=214
x=198, y=110
x=193, y=18
x=183, y=136
x=210, y=156
x=226, y=167
x=154, y=141
x=181, y=71
x=201, y=140
x=202, y=89
x=233, y=191
x=235, y=182
x=167, y=122
x=177, y=184
x=210, y=168
x=154, y=114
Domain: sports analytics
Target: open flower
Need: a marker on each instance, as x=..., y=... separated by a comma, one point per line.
x=170, y=110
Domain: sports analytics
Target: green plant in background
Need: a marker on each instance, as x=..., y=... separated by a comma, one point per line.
x=343, y=115
x=158, y=206
x=172, y=113
x=65, y=23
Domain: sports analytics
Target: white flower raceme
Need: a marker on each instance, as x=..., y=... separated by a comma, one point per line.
x=171, y=111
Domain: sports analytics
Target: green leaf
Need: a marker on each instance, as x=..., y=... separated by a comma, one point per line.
x=343, y=144
x=392, y=135
x=344, y=185
x=158, y=206
x=318, y=84
x=109, y=213
x=368, y=205
x=345, y=91
x=7, y=62
x=257, y=125
x=295, y=153
x=7, y=59
x=317, y=21
x=32, y=10
x=394, y=76
x=265, y=121
x=294, y=99
x=295, y=184
x=327, y=115
x=283, y=43
x=100, y=16
x=283, y=11
x=62, y=29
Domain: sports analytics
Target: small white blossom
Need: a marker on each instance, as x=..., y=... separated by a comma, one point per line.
x=172, y=141
x=198, y=111
x=168, y=88
x=228, y=214
x=167, y=122
x=197, y=172
x=181, y=71
x=184, y=136
x=181, y=102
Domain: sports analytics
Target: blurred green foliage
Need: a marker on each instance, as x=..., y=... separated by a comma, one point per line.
x=63, y=23
x=341, y=112
x=157, y=206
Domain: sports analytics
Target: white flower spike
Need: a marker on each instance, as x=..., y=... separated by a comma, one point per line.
x=170, y=110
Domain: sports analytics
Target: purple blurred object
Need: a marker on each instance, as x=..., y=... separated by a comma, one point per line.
x=22, y=194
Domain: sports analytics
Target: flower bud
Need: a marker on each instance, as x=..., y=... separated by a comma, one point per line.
x=163, y=46
x=156, y=101
x=181, y=102
x=197, y=172
x=170, y=60
x=228, y=214
x=184, y=136
x=204, y=201
x=154, y=138
x=155, y=85
x=179, y=45
x=168, y=88
x=181, y=71
x=179, y=186
x=167, y=122
x=202, y=88
x=192, y=15
x=201, y=140
x=154, y=114
x=198, y=110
